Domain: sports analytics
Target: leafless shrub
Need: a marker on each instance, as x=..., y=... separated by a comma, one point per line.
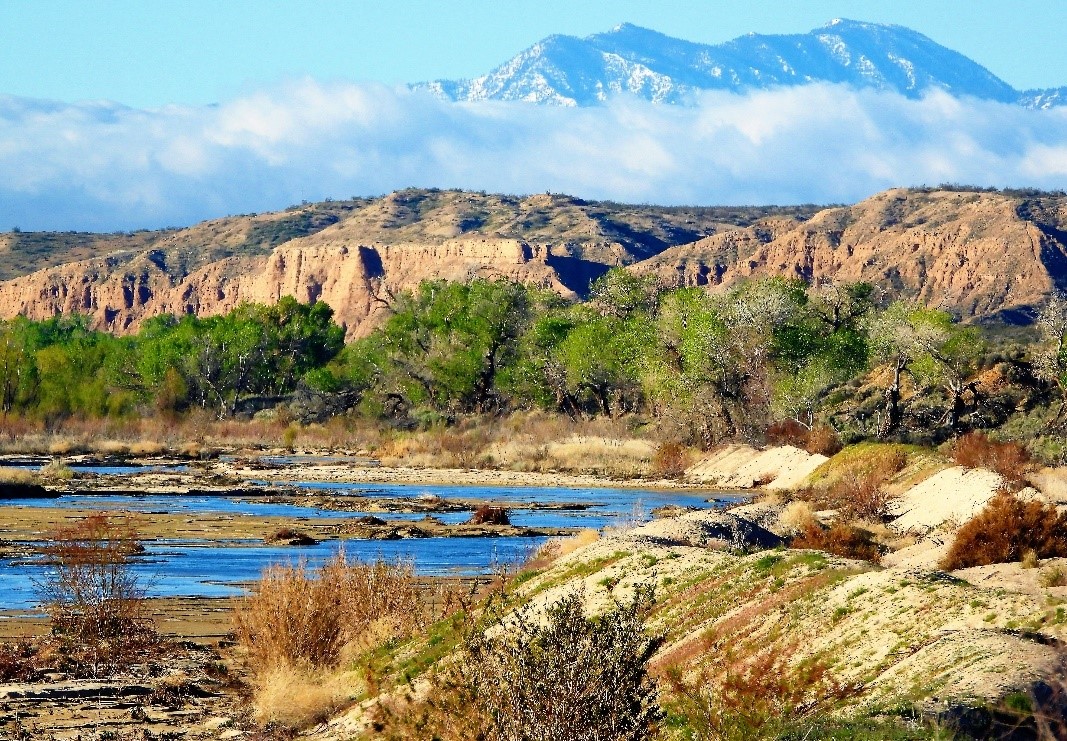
x=859, y=492
x=91, y=592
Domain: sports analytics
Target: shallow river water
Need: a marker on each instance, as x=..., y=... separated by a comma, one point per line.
x=206, y=568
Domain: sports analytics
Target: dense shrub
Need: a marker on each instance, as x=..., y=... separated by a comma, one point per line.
x=568, y=676
x=670, y=461
x=295, y=617
x=1009, y=459
x=489, y=515
x=18, y=661
x=820, y=439
x=1004, y=530
x=787, y=432
x=840, y=539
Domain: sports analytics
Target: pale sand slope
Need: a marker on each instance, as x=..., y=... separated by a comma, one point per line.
x=744, y=467
x=897, y=634
x=1052, y=482
x=953, y=495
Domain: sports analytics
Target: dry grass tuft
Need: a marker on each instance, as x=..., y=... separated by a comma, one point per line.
x=1010, y=460
x=147, y=448
x=1005, y=530
x=557, y=548
x=10, y=475
x=298, y=618
x=111, y=447
x=1053, y=576
x=291, y=698
x=61, y=446
x=1029, y=559
x=796, y=517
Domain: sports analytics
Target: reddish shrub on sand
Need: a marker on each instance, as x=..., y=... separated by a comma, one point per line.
x=840, y=539
x=823, y=440
x=1004, y=530
x=787, y=432
x=820, y=439
x=671, y=460
x=1010, y=460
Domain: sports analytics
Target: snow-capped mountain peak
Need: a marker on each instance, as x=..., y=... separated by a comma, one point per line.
x=629, y=59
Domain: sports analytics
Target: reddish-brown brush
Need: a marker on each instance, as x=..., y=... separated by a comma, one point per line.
x=1004, y=530
x=671, y=460
x=489, y=515
x=1010, y=460
x=841, y=539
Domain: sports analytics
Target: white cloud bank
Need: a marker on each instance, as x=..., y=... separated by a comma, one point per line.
x=103, y=166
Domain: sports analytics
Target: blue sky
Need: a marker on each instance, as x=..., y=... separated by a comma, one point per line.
x=148, y=53
x=117, y=114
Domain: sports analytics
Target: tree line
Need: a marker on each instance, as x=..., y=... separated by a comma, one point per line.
x=705, y=366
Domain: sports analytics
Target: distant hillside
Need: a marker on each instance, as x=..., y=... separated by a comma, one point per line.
x=353, y=254
x=565, y=70
x=981, y=255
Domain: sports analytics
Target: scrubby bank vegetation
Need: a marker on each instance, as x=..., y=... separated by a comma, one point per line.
x=608, y=640
x=772, y=359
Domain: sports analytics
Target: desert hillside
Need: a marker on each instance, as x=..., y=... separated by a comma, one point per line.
x=977, y=254
x=981, y=255
x=352, y=254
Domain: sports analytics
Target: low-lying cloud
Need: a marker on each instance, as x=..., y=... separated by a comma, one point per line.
x=103, y=166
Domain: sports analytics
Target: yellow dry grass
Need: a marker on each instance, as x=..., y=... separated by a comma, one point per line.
x=796, y=517
x=147, y=448
x=111, y=447
x=297, y=698
x=17, y=476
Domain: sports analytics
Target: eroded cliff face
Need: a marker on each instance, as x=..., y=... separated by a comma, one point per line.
x=357, y=281
x=979, y=255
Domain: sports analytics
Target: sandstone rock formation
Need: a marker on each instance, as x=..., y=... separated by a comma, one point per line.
x=355, y=255
x=977, y=254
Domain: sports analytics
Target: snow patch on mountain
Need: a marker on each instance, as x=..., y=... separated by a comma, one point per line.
x=571, y=71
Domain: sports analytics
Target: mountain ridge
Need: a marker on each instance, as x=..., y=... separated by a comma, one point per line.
x=629, y=59
x=983, y=255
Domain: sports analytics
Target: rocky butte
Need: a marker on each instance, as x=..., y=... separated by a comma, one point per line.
x=981, y=254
